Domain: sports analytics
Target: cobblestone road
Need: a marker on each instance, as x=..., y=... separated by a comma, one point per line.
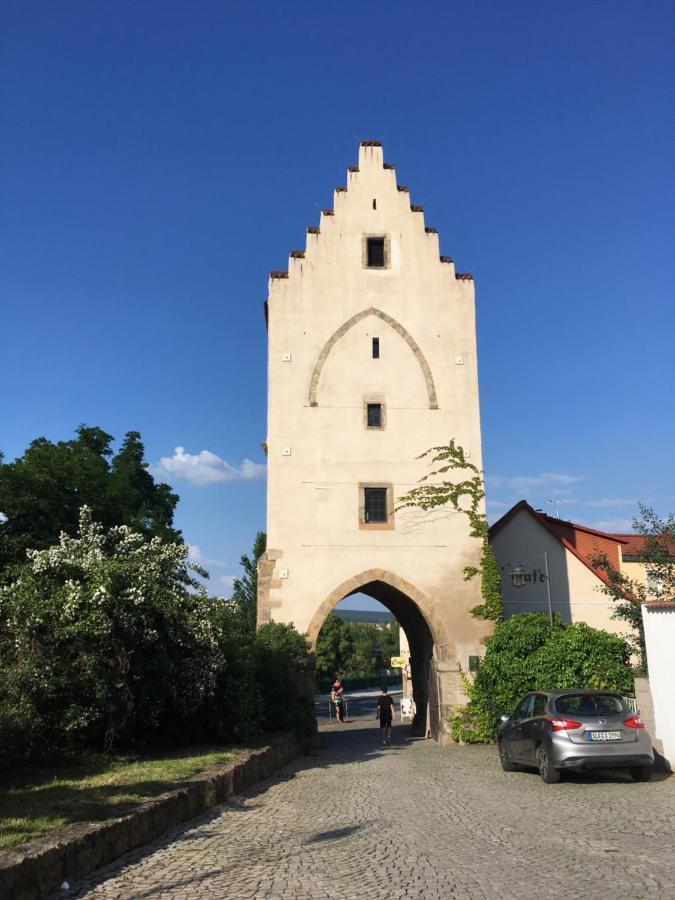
x=358, y=820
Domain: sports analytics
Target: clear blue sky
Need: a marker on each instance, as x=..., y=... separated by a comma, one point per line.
x=158, y=160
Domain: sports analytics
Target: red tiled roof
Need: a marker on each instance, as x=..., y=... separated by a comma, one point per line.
x=632, y=544
x=582, y=541
x=635, y=545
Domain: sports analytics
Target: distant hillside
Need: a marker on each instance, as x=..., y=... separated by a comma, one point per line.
x=366, y=617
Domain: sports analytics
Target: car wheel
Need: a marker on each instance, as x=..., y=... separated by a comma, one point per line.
x=549, y=775
x=505, y=758
x=641, y=773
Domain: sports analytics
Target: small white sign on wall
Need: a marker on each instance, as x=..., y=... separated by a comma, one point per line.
x=407, y=708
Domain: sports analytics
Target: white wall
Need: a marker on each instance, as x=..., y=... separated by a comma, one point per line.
x=660, y=640
x=576, y=593
x=314, y=535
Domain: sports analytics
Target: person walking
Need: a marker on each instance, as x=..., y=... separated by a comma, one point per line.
x=386, y=712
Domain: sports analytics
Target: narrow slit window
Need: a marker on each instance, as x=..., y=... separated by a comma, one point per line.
x=375, y=253
x=376, y=348
x=375, y=504
x=374, y=415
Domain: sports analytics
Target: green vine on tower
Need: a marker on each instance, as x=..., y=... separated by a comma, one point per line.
x=465, y=496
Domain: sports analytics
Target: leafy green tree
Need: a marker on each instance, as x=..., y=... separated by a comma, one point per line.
x=628, y=594
x=334, y=647
x=105, y=637
x=245, y=589
x=465, y=496
x=282, y=672
x=351, y=648
x=526, y=653
x=41, y=492
x=366, y=640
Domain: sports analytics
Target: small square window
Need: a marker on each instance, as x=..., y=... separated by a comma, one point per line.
x=375, y=255
x=375, y=504
x=376, y=348
x=374, y=415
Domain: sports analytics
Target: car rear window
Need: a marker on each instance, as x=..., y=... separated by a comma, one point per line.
x=590, y=704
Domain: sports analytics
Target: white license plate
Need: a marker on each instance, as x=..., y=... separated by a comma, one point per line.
x=604, y=735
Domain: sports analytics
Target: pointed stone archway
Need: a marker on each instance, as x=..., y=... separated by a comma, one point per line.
x=414, y=612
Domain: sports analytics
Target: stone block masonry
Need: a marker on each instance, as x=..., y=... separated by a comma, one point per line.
x=67, y=854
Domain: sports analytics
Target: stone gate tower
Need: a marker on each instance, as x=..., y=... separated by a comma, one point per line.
x=371, y=361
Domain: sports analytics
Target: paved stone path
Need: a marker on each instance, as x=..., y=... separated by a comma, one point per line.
x=358, y=820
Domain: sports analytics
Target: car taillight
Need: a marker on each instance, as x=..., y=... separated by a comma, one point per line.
x=563, y=724
x=634, y=722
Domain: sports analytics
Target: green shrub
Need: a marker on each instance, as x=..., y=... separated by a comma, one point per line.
x=282, y=675
x=108, y=641
x=526, y=653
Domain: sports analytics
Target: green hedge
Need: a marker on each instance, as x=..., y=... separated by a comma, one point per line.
x=526, y=653
x=108, y=642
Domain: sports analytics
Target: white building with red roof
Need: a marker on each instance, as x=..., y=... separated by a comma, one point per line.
x=527, y=541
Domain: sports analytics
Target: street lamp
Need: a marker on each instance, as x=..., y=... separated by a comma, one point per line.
x=520, y=575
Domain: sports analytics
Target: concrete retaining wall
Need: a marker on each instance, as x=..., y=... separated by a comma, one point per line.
x=34, y=870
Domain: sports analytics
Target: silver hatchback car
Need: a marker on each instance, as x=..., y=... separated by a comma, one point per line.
x=576, y=729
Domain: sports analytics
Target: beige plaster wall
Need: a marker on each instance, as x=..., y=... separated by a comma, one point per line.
x=575, y=589
x=319, y=455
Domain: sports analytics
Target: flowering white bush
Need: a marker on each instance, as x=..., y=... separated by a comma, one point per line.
x=107, y=634
x=107, y=638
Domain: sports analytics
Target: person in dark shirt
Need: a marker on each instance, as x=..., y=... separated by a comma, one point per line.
x=386, y=712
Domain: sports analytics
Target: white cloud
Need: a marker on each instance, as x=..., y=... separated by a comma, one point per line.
x=525, y=483
x=3, y=518
x=620, y=526
x=197, y=556
x=227, y=582
x=205, y=468
x=608, y=503
x=496, y=504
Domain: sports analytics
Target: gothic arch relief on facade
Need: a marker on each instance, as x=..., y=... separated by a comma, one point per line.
x=398, y=328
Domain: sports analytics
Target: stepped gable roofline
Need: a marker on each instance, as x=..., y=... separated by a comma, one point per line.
x=570, y=535
x=368, y=158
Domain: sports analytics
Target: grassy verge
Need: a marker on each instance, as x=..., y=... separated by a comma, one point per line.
x=35, y=801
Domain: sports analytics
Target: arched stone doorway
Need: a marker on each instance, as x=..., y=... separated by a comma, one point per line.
x=408, y=605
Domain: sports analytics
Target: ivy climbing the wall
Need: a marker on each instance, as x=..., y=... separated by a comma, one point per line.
x=465, y=496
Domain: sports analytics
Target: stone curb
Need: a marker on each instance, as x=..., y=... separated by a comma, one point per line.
x=67, y=854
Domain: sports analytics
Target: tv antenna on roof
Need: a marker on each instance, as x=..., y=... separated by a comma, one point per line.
x=556, y=504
